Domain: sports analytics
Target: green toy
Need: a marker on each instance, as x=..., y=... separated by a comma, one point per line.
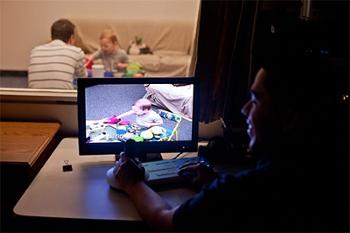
x=132, y=69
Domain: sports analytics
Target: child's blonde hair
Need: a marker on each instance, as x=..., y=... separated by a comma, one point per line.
x=109, y=34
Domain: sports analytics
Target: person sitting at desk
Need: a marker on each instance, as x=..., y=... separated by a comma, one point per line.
x=286, y=190
x=59, y=63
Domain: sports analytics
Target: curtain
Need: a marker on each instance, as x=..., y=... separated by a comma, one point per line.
x=224, y=57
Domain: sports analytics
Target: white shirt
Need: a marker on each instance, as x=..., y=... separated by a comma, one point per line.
x=55, y=65
x=148, y=118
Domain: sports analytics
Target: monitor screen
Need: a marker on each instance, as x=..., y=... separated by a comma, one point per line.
x=159, y=114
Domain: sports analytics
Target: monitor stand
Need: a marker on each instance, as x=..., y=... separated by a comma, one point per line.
x=145, y=157
x=130, y=148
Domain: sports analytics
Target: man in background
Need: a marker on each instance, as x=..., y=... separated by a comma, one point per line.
x=58, y=63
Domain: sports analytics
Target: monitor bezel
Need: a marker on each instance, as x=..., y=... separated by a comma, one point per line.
x=143, y=147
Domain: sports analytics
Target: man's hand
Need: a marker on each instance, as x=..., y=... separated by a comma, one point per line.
x=198, y=173
x=128, y=171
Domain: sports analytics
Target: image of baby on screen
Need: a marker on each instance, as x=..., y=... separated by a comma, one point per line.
x=118, y=112
x=145, y=116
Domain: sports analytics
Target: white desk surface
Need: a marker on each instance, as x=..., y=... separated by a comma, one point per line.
x=84, y=192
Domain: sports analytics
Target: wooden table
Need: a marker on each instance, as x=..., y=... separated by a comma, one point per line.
x=24, y=142
x=24, y=148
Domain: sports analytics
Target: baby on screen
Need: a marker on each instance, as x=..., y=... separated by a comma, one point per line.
x=145, y=116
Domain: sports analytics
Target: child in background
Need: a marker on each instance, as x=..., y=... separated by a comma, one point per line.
x=113, y=57
x=145, y=116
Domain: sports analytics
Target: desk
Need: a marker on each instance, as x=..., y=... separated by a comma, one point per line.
x=82, y=193
x=24, y=148
x=24, y=142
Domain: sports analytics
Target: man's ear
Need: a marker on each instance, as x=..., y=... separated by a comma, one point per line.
x=71, y=40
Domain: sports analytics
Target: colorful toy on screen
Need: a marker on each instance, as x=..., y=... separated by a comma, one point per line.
x=115, y=129
x=112, y=120
x=169, y=115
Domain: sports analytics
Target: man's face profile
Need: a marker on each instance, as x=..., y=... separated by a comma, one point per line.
x=257, y=111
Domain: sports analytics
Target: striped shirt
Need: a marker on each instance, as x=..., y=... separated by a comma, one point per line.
x=55, y=65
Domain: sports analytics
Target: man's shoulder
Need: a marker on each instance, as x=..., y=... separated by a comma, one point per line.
x=38, y=47
x=75, y=48
x=58, y=44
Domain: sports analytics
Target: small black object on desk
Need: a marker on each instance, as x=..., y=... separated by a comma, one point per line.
x=67, y=167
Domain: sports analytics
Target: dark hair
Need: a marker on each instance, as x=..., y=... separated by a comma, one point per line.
x=62, y=29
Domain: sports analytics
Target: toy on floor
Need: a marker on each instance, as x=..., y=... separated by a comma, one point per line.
x=173, y=117
x=134, y=70
x=137, y=47
x=112, y=120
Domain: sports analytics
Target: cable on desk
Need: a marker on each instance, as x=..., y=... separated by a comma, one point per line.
x=177, y=156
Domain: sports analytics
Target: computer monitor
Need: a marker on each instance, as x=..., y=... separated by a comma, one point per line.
x=104, y=129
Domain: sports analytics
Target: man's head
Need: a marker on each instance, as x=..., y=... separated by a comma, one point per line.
x=142, y=106
x=289, y=95
x=63, y=30
x=257, y=110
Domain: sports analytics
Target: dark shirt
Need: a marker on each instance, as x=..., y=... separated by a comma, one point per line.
x=228, y=203
x=261, y=199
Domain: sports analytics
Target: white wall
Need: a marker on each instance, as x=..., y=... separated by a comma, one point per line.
x=26, y=23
